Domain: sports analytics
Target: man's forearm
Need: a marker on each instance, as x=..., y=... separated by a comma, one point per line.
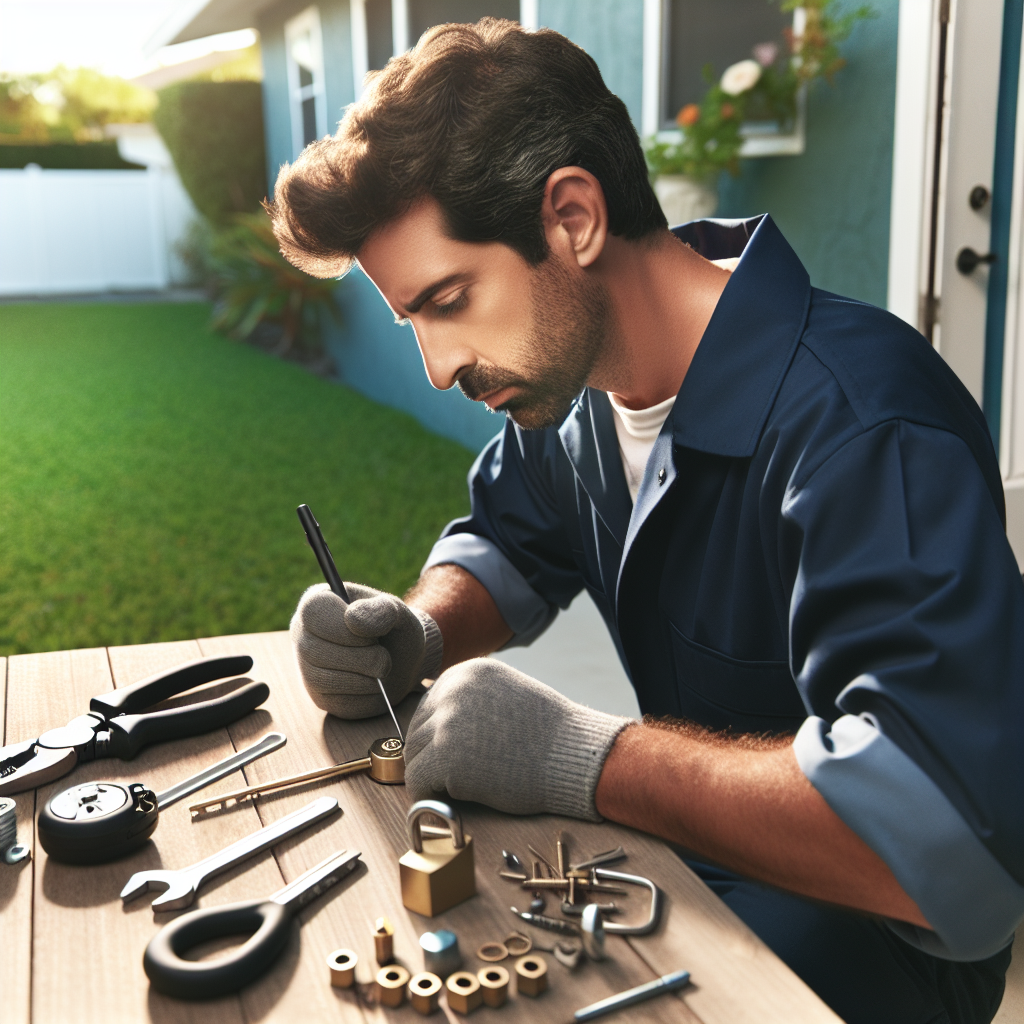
x=745, y=805
x=464, y=611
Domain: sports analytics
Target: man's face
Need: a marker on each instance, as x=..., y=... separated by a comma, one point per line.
x=521, y=339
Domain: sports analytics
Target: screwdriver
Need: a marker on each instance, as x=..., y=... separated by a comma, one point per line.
x=334, y=580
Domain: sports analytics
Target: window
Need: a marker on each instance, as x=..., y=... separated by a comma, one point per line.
x=682, y=36
x=425, y=13
x=381, y=28
x=305, y=59
x=379, y=34
x=716, y=32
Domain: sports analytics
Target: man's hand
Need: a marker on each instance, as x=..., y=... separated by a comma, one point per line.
x=489, y=733
x=343, y=650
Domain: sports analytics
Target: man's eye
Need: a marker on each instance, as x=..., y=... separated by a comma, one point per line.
x=448, y=308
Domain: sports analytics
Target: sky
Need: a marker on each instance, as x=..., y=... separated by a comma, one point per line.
x=36, y=35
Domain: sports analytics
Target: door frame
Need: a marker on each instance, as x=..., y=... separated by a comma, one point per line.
x=916, y=242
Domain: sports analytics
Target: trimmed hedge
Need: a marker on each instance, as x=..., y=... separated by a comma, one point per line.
x=62, y=156
x=214, y=131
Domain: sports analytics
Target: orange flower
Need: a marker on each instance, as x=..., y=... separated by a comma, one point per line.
x=728, y=110
x=689, y=115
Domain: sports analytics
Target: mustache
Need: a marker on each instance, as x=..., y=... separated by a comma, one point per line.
x=483, y=380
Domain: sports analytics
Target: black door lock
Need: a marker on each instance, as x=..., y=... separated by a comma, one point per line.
x=967, y=260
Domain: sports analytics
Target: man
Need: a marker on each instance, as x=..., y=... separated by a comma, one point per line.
x=786, y=507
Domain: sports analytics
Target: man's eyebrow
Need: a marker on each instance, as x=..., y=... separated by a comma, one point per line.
x=417, y=304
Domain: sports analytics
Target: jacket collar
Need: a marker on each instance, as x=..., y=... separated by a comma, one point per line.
x=589, y=439
x=750, y=341
x=728, y=391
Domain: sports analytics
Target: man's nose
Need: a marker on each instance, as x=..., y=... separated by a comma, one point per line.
x=444, y=361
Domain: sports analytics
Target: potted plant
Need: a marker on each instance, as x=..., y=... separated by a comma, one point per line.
x=685, y=167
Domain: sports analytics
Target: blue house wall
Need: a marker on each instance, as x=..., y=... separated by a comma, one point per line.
x=831, y=202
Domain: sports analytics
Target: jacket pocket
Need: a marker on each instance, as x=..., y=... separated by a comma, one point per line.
x=760, y=689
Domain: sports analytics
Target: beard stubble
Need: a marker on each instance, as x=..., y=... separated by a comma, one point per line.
x=570, y=327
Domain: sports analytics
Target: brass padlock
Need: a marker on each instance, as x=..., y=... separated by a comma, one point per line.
x=437, y=872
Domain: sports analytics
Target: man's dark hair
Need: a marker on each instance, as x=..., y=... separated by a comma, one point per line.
x=478, y=117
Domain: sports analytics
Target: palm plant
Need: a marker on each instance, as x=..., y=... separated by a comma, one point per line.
x=253, y=284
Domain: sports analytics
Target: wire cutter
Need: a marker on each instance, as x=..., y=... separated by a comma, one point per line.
x=118, y=723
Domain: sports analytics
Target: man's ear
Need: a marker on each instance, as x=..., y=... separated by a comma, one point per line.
x=575, y=215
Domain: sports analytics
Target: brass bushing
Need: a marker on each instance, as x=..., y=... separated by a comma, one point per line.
x=464, y=994
x=391, y=982
x=424, y=991
x=531, y=975
x=387, y=761
x=493, y=984
x=384, y=941
x=342, y=963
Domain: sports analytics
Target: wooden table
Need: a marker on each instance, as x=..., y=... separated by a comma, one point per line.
x=71, y=952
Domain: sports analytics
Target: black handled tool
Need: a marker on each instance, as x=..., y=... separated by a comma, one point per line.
x=117, y=724
x=101, y=821
x=322, y=552
x=335, y=582
x=267, y=922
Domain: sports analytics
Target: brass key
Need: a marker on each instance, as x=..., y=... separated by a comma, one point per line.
x=385, y=762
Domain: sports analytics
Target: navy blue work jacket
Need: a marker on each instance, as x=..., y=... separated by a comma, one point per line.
x=818, y=546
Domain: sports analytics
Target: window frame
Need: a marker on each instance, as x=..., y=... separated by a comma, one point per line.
x=306, y=21
x=757, y=141
x=529, y=17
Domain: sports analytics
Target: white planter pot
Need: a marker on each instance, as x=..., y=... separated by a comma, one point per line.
x=684, y=199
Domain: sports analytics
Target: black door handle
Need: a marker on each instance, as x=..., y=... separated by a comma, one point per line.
x=967, y=259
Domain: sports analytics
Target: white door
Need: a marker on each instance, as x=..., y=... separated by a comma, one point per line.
x=1011, y=433
x=947, y=90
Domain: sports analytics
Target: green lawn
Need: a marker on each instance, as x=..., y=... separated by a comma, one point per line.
x=149, y=473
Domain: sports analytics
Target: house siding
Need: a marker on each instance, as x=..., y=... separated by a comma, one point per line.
x=832, y=202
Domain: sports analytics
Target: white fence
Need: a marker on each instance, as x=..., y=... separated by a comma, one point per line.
x=90, y=231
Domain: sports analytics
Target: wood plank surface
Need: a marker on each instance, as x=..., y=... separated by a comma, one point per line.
x=16, y=900
x=374, y=823
x=696, y=927
x=87, y=962
x=83, y=952
x=43, y=691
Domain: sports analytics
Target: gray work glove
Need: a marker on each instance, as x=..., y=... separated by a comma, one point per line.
x=489, y=733
x=343, y=649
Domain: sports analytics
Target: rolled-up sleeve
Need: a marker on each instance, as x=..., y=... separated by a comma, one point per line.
x=513, y=541
x=907, y=642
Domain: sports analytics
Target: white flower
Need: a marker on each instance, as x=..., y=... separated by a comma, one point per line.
x=740, y=77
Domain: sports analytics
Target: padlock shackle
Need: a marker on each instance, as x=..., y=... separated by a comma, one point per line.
x=442, y=810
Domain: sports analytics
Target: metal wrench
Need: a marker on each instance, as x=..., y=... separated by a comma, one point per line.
x=183, y=884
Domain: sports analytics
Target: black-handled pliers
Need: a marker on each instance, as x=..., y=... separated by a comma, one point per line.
x=118, y=724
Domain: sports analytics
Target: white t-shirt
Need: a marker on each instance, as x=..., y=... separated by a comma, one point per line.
x=637, y=430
